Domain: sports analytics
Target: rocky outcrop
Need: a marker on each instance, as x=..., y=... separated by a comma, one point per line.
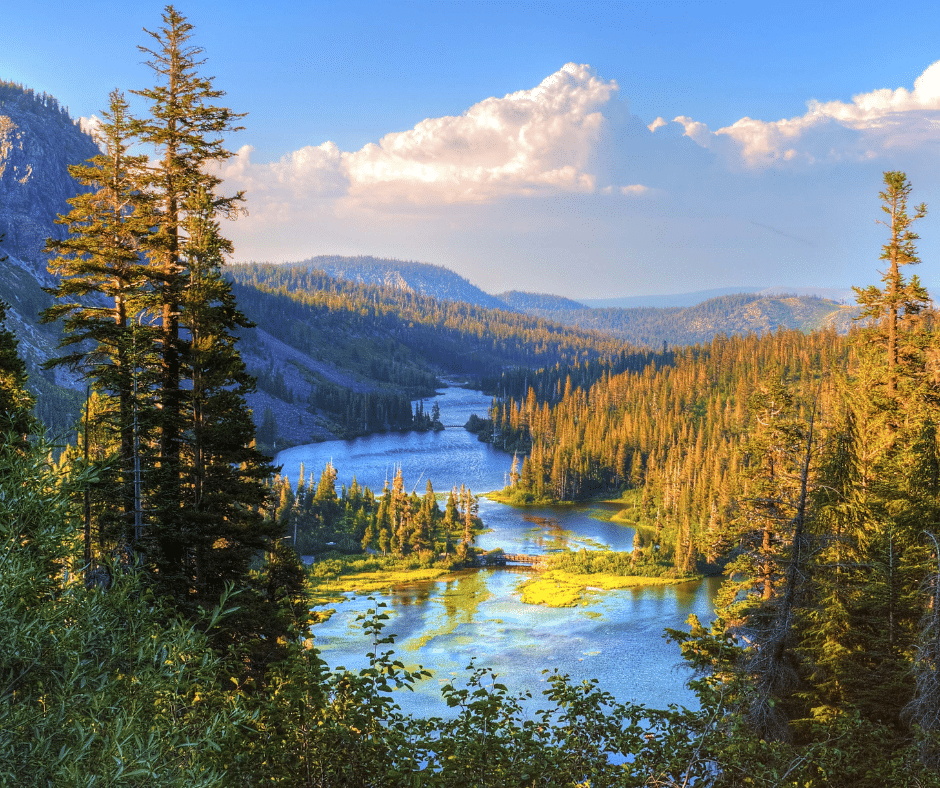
x=38, y=140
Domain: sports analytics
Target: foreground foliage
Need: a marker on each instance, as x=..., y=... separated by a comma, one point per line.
x=818, y=487
x=94, y=684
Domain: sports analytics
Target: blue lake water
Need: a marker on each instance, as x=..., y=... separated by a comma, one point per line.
x=476, y=615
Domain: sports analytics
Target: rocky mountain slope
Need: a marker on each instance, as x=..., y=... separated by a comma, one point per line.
x=38, y=140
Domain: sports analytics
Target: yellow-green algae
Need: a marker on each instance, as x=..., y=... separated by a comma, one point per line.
x=382, y=580
x=329, y=581
x=461, y=600
x=557, y=588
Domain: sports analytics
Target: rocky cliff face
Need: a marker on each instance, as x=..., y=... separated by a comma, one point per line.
x=38, y=140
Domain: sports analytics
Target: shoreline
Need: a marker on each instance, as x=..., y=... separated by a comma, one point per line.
x=548, y=587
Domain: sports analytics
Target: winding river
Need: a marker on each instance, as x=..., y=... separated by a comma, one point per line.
x=476, y=615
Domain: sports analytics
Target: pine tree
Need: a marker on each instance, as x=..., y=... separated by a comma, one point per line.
x=101, y=289
x=16, y=403
x=185, y=126
x=769, y=586
x=893, y=307
x=451, y=520
x=222, y=475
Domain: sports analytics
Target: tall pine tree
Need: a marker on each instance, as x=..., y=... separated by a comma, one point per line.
x=101, y=289
x=186, y=128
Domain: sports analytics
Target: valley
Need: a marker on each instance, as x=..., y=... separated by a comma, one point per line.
x=354, y=521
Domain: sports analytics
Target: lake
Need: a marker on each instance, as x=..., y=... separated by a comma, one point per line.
x=476, y=614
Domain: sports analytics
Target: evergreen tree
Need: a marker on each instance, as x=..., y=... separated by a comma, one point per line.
x=383, y=521
x=219, y=529
x=451, y=521
x=186, y=128
x=16, y=403
x=101, y=289
x=893, y=308
x=161, y=345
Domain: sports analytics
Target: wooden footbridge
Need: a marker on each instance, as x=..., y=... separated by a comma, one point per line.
x=511, y=559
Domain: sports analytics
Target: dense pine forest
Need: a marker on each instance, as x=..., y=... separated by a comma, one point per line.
x=460, y=338
x=155, y=616
x=392, y=346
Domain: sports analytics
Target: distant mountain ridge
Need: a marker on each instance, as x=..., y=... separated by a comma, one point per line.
x=735, y=313
x=523, y=302
x=681, y=319
x=689, y=318
x=426, y=279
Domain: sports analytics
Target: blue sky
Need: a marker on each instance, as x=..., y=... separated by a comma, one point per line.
x=518, y=143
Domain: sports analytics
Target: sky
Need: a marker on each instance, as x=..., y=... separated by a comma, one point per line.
x=589, y=149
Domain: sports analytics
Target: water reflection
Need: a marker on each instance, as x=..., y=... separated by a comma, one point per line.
x=448, y=458
x=477, y=615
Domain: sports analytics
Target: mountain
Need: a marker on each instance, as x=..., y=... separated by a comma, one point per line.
x=38, y=140
x=422, y=278
x=736, y=313
x=525, y=302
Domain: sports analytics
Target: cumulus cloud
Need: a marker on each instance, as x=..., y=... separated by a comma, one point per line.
x=527, y=142
x=533, y=142
x=282, y=189
x=90, y=125
x=860, y=130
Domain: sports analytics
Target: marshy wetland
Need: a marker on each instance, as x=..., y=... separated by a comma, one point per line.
x=515, y=620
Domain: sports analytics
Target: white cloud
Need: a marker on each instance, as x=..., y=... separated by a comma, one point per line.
x=90, y=125
x=695, y=130
x=528, y=142
x=531, y=142
x=635, y=190
x=860, y=130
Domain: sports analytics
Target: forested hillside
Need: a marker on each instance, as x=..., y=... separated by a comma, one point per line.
x=734, y=314
x=538, y=303
x=364, y=350
x=434, y=281
x=155, y=619
x=806, y=467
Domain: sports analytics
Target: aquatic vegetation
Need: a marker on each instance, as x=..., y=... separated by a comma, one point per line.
x=460, y=602
x=558, y=588
x=383, y=579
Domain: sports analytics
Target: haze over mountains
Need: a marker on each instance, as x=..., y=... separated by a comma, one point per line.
x=38, y=140
x=679, y=320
